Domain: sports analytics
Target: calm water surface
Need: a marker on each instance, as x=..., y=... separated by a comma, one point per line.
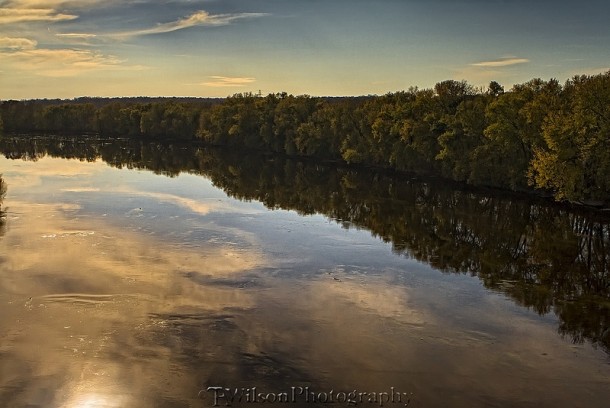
x=138, y=275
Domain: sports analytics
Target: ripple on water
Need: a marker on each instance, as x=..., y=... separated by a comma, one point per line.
x=69, y=234
x=81, y=298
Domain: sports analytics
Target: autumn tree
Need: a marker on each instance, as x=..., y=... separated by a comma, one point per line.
x=574, y=163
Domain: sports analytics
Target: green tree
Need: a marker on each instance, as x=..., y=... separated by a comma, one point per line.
x=70, y=118
x=513, y=133
x=319, y=136
x=463, y=136
x=495, y=89
x=358, y=144
x=245, y=128
x=290, y=113
x=120, y=119
x=575, y=161
x=169, y=120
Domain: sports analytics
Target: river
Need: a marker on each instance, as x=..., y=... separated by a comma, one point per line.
x=140, y=274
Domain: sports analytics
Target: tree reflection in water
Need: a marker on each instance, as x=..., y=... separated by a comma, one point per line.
x=546, y=257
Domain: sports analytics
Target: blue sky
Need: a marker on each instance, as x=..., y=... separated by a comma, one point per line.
x=70, y=48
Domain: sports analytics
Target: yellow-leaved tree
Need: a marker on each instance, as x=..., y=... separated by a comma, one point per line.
x=575, y=161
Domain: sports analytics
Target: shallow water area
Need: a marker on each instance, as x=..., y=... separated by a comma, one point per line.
x=134, y=281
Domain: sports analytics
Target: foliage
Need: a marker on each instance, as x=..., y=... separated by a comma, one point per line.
x=574, y=162
x=539, y=136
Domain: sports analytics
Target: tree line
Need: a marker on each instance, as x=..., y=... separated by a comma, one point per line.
x=539, y=136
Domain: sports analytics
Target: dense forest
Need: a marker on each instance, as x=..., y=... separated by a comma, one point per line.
x=538, y=136
x=545, y=257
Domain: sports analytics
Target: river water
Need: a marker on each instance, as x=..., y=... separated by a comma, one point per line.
x=136, y=274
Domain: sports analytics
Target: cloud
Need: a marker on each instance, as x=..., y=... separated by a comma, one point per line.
x=501, y=62
x=30, y=174
x=17, y=43
x=222, y=81
x=196, y=206
x=481, y=73
x=199, y=18
x=62, y=62
x=385, y=301
x=51, y=4
x=79, y=36
x=18, y=11
x=10, y=15
x=78, y=39
x=80, y=189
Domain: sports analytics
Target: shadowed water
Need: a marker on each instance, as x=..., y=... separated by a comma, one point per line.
x=137, y=275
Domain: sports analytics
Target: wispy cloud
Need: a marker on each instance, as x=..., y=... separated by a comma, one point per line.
x=22, y=55
x=62, y=62
x=80, y=36
x=17, y=43
x=54, y=4
x=19, y=11
x=199, y=18
x=11, y=15
x=501, y=62
x=222, y=81
x=78, y=39
x=19, y=54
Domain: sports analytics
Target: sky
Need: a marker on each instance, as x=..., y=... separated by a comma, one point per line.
x=216, y=48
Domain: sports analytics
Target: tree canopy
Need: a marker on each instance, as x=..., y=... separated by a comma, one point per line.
x=539, y=136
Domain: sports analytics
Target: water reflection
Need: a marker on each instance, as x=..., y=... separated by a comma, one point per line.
x=547, y=258
x=114, y=294
x=107, y=298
